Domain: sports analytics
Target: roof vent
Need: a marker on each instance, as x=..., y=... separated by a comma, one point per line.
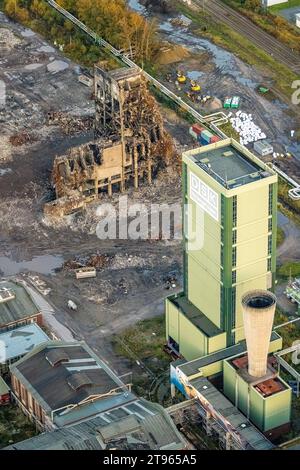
x=57, y=356
x=227, y=154
x=79, y=380
x=6, y=295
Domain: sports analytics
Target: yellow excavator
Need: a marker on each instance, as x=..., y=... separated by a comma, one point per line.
x=195, y=87
x=181, y=78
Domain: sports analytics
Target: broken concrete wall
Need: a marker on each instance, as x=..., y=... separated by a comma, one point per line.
x=130, y=140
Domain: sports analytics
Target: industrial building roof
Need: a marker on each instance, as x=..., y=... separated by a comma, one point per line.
x=152, y=430
x=192, y=367
x=60, y=374
x=227, y=413
x=17, y=308
x=19, y=341
x=229, y=166
x=196, y=316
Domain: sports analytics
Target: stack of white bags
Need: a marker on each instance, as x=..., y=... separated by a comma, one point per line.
x=246, y=128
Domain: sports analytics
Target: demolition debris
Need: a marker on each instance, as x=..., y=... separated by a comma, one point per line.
x=130, y=146
x=70, y=125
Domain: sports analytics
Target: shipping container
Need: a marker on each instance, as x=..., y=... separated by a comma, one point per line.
x=204, y=142
x=235, y=103
x=193, y=133
x=263, y=148
x=214, y=139
x=197, y=128
x=227, y=103
x=206, y=134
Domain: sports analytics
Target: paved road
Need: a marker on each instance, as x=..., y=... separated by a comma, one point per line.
x=48, y=312
x=245, y=27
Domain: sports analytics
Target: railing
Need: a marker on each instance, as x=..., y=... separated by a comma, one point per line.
x=215, y=119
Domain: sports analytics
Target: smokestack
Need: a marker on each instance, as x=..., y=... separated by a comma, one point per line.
x=258, y=313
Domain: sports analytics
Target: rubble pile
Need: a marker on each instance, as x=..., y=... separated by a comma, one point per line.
x=22, y=138
x=131, y=144
x=69, y=124
x=129, y=261
x=5, y=149
x=8, y=39
x=170, y=281
x=98, y=261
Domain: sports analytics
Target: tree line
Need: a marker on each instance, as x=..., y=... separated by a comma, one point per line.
x=112, y=20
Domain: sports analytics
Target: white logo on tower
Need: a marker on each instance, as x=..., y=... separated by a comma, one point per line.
x=204, y=196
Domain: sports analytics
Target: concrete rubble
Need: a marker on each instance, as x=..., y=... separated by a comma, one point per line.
x=70, y=124
x=130, y=144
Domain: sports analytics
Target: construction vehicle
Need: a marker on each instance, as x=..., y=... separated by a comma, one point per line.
x=195, y=87
x=181, y=78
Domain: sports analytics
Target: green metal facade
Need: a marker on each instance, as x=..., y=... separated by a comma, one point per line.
x=237, y=253
x=265, y=412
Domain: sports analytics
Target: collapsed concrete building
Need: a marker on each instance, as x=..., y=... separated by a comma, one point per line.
x=130, y=144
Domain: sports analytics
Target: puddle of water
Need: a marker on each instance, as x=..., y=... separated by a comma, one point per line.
x=5, y=171
x=27, y=33
x=57, y=66
x=33, y=66
x=194, y=75
x=186, y=20
x=136, y=6
x=40, y=264
x=282, y=219
x=46, y=49
x=292, y=147
x=224, y=60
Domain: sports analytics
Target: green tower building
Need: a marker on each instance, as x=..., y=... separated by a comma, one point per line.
x=230, y=222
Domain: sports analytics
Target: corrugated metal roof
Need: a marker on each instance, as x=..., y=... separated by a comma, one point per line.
x=154, y=431
x=22, y=306
x=233, y=416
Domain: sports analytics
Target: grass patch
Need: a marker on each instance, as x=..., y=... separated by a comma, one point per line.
x=229, y=131
x=284, y=6
x=142, y=344
x=14, y=426
x=268, y=20
x=286, y=205
x=290, y=268
x=145, y=340
x=289, y=333
x=280, y=236
x=166, y=102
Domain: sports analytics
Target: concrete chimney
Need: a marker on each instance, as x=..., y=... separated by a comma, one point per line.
x=258, y=313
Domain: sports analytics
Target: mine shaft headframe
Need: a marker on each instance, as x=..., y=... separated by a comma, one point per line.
x=110, y=90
